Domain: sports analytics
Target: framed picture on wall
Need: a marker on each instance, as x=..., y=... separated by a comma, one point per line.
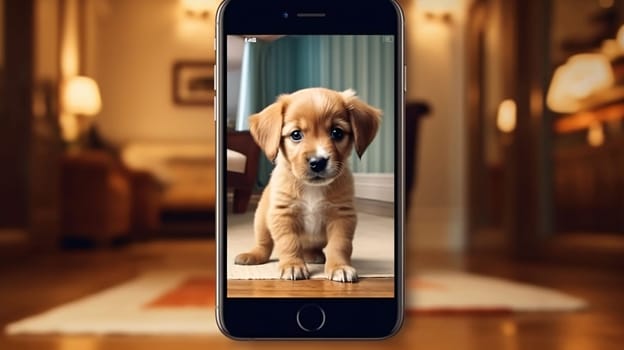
x=193, y=83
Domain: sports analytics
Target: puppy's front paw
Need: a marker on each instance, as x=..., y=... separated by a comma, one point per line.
x=341, y=273
x=294, y=271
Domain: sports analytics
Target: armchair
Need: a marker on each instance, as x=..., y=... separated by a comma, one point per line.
x=243, y=144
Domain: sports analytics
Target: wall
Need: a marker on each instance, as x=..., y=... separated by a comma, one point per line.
x=70, y=57
x=137, y=43
x=495, y=89
x=15, y=117
x=46, y=40
x=44, y=194
x=575, y=20
x=436, y=69
x=1, y=34
x=2, y=233
x=235, y=45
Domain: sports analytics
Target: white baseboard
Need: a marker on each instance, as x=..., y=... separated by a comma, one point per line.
x=374, y=186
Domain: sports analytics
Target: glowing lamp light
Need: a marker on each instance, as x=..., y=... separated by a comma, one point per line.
x=506, y=117
x=82, y=96
x=620, y=37
x=595, y=134
x=580, y=77
x=587, y=73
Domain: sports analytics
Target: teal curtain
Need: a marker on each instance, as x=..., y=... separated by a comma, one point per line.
x=365, y=64
x=362, y=63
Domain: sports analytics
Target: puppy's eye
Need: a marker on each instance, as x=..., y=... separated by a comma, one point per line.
x=336, y=134
x=296, y=135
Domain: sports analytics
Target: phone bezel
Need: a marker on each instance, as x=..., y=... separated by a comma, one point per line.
x=349, y=318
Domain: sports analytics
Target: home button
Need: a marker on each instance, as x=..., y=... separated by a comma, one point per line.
x=311, y=318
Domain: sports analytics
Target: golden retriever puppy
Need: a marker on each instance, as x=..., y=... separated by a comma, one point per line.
x=307, y=205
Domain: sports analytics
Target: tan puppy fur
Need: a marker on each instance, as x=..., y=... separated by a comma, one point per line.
x=308, y=204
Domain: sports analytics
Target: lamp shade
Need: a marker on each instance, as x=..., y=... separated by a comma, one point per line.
x=580, y=77
x=82, y=96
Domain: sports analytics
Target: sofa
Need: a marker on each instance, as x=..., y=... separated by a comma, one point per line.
x=185, y=170
x=103, y=200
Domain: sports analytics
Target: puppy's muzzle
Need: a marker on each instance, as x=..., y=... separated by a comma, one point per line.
x=318, y=164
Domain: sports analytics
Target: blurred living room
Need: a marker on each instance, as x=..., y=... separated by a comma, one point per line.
x=515, y=152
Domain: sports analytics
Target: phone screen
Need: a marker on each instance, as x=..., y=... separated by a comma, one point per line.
x=325, y=167
x=310, y=159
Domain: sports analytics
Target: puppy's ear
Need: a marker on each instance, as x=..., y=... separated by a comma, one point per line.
x=266, y=127
x=365, y=120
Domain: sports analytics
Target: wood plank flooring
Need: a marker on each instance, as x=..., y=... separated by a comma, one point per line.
x=365, y=287
x=34, y=284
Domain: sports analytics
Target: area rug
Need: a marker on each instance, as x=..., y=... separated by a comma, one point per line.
x=182, y=302
x=459, y=292
x=373, y=249
x=163, y=302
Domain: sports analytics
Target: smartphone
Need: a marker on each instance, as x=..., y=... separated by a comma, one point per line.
x=310, y=203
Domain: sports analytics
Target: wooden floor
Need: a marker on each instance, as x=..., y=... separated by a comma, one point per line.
x=34, y=284
x=365, y=287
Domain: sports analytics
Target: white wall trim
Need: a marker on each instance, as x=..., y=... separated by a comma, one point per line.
x=374, y=186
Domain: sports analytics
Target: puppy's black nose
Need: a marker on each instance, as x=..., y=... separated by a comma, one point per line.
x=317, y=164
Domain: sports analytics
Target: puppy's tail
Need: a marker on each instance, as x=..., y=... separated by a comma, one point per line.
x=260, y=254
